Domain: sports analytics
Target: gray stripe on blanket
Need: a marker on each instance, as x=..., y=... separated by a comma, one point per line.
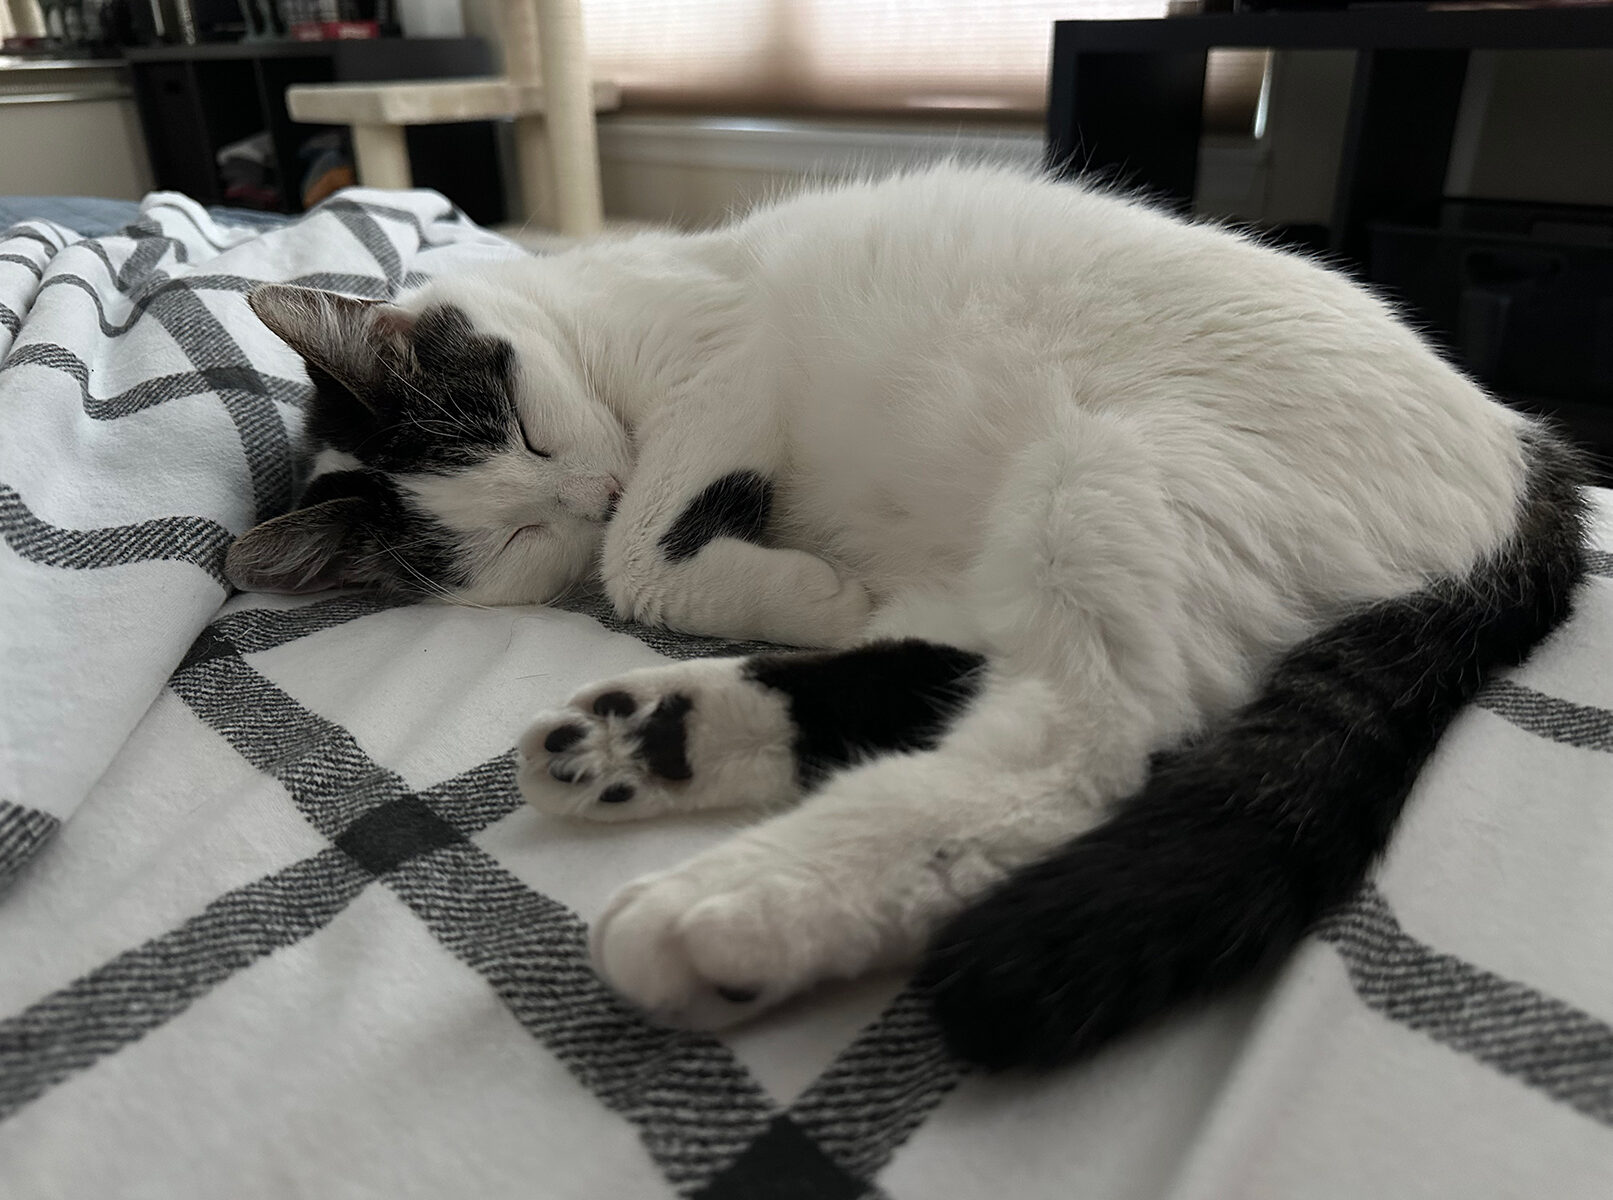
x=1534, y=1038
x=143, y=988
x=22, y=260
x=147, y=294
x=879, y=1089
x=158, y=390
x=177, y=538
x=208, y=344
x=264, y=440
x=23, y=831
x=371, y=236
x=696, y=1108
x=1547, y=716
x=1599, y=562
x=93, y=1016
x=34, y=235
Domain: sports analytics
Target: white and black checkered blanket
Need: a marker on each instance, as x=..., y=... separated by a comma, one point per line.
x=278, y=926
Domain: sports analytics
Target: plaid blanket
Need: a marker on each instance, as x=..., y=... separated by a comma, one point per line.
x=300, y=938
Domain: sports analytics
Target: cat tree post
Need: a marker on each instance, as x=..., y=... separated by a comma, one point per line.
x=546, y=89
x=381, y=156
x=543, y=42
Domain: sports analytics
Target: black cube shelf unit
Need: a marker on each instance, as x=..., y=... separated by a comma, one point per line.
x=1126, y=99
x=193, y=100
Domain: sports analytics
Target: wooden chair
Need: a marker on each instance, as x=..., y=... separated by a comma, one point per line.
x=546, y=89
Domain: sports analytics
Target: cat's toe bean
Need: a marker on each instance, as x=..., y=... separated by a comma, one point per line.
x=559, y=740
x=569, y=771
x=614, y=704
x=616, y=793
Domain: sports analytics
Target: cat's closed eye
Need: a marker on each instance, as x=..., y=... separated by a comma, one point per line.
x=526, y=530
x=530, y=445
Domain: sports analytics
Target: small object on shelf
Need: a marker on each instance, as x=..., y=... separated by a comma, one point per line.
x=337, y=20
x=334, y=31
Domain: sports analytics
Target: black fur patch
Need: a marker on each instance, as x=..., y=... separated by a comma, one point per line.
x=1236, y=845
x=436, y=399
x=885, y=696
x=663, y=743
x=392, y=543
x=442, y=400
x=735, y=506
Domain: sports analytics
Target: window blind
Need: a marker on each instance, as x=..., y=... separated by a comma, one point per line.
x=864, y=56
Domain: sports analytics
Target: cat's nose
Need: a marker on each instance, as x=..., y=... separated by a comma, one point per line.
x=592, y=497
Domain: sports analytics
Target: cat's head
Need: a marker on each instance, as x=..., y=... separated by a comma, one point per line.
x=446, y=462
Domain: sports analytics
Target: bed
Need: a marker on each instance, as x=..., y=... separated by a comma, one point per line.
x=274, y=922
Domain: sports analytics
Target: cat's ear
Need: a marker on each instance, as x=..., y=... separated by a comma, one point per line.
x=352, y=341
x=306, y=550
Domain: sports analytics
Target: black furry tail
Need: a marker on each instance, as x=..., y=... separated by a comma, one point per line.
x=1237, y=844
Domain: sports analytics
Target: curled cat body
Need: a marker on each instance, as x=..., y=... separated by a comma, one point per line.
x=1145, y=564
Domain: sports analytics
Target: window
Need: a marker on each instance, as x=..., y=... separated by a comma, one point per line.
x=851, y=56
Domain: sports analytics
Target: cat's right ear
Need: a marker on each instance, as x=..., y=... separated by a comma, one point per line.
x=306, y=550
x=353, y=342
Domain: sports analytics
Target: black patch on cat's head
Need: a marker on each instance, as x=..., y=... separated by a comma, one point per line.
x=402, y=392
x=352, y=529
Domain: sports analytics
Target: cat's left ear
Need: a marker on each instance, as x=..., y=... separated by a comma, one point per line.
x=352, y=341
x=306, y=550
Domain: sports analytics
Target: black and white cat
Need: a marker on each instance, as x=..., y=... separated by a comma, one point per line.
x=1151, y=562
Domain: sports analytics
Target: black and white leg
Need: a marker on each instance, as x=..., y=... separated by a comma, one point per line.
x=856, y=878
x=731, y=732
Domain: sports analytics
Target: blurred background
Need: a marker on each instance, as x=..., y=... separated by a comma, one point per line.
x=725, y=99
x=703, y=106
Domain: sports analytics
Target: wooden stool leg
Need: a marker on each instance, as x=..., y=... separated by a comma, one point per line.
x=381, y=155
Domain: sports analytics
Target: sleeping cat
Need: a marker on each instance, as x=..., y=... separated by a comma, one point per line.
x=1148, y=564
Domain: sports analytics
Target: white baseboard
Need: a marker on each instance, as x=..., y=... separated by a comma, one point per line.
x=803, y=147
x=644, y=156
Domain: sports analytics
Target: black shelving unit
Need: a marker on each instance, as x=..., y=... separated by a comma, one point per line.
x=1126, y=99
x=193, y=100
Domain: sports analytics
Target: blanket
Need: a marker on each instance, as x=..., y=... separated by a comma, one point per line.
x=278, y=925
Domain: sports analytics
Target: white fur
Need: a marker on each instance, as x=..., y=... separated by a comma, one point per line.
x=1130, y=458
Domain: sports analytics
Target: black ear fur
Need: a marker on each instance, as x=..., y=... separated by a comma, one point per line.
x=351, y=342
x=306, y=550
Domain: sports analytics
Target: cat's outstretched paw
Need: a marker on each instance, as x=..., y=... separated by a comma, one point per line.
x=691, y=736
x=727, y=936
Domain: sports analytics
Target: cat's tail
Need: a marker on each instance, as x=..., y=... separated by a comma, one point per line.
x=1238, y=843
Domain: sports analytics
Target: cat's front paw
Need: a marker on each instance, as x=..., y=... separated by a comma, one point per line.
x=727, y=936
x=689, y=736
